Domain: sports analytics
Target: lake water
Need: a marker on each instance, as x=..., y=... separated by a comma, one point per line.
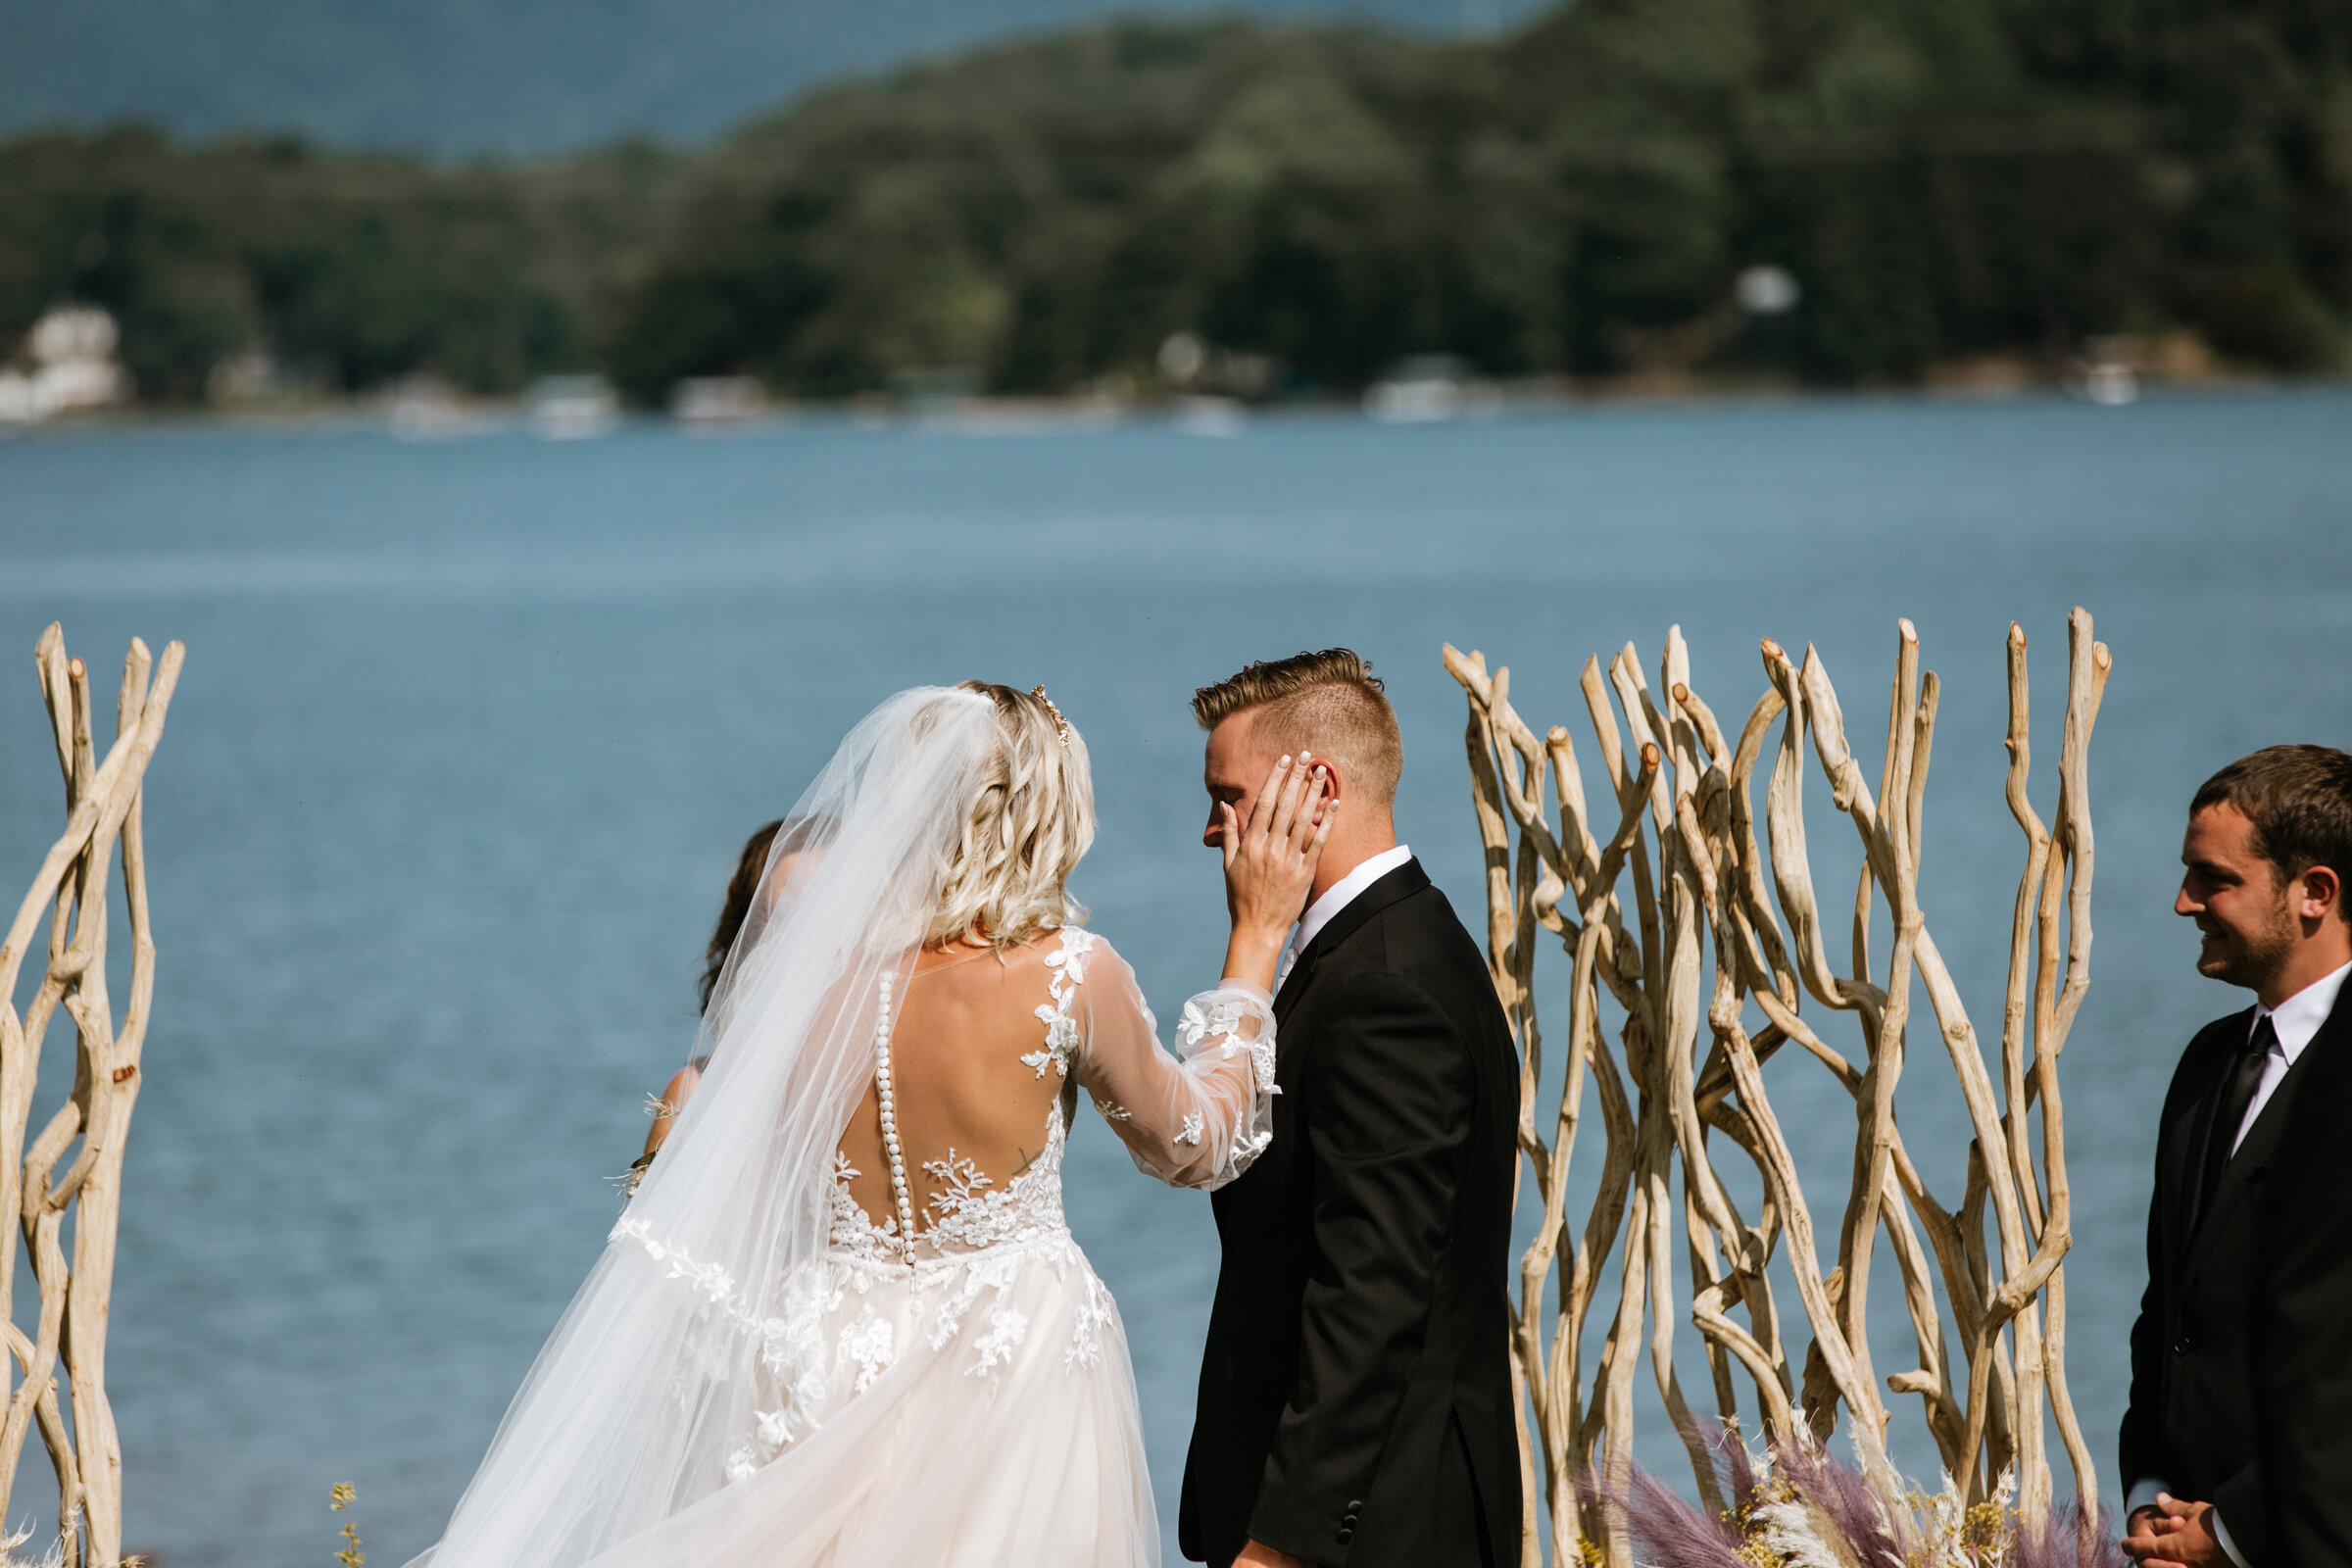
x=469, y=732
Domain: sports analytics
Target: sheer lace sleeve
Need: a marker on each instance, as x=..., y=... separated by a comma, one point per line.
x=1193, y=1119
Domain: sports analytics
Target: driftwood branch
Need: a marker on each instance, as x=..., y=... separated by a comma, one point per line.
x=1689, y=923
x=102, y=814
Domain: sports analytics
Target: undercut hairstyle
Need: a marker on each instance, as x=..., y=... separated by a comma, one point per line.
x=1029, y=824
x=2299, y=799
x=1328, y=703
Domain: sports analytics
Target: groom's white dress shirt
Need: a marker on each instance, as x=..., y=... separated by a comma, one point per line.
x=2294, y=1022
x=1336, y=898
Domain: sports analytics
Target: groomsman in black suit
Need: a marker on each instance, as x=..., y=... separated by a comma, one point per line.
x=1355, y=1390
x=2238, y=1444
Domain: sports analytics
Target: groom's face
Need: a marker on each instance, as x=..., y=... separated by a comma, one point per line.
x=1233, y=771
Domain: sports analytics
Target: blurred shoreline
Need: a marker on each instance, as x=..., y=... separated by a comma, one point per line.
x=441, y=415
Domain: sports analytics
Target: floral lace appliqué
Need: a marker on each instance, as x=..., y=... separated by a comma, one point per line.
x=851, y=1230
x=1065, y=968
x=970, y=1213
x=1006, y=1328
x=867, y=1344
x=1222, y=1018
x=1085, y=1349
x=789, y=1341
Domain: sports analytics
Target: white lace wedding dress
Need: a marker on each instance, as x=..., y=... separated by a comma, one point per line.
x=967, y=1400
x=841, y=1323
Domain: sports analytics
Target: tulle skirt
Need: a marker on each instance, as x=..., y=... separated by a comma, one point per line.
x=974, y=1411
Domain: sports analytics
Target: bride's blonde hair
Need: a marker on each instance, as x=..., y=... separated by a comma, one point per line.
x=1030, y=822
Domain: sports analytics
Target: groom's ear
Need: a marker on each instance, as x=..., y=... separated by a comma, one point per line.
x=1336, y=772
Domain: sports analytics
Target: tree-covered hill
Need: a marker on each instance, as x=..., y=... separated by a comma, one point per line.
x=529, y=77
x=349, y=271
x=1944, y=180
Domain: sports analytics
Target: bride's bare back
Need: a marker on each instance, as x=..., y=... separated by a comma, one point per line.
x=982, y=1045
x=960, y=1090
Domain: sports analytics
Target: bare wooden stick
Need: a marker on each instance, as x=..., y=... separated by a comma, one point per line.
x=102, y=806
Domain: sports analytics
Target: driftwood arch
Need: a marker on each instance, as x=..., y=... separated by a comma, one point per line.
x=1700, y=921
x=69, y=897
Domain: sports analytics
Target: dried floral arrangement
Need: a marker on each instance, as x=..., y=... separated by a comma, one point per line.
x=1795, y=1504
x=1712, y=951
x=68, y=896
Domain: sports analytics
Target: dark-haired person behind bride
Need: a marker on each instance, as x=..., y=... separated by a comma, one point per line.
x=842, y=1321
x=752, y=872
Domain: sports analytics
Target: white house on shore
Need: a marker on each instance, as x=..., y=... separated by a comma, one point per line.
x=67, y=362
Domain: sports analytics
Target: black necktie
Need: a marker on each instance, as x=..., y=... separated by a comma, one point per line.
x=2236, y=1096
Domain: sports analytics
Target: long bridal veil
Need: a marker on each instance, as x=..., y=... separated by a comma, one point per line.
x=646, y=1396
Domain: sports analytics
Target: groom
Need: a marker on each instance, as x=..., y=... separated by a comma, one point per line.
x=1355, y=1395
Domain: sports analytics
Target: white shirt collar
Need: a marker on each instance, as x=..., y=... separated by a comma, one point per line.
x=1339, y=896
x=2297, y=1018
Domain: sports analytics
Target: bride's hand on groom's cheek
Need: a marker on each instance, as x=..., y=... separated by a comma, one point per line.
x=1270, y=863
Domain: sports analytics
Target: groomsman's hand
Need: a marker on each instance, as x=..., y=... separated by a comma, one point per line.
x=1255, y=1556
x=2174, y=1534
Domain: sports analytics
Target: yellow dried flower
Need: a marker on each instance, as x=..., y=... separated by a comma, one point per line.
x=1985, y=1530
x=341, y=1497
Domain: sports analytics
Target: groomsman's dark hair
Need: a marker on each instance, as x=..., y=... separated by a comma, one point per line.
x=2299, y=799
x=1329, y=703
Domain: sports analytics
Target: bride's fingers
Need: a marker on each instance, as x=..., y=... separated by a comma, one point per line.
x=1232, y=844
x=1269, y=798
x=1314, y=850
x=1294, y=790
x=1312, y=796
x=1315, y=783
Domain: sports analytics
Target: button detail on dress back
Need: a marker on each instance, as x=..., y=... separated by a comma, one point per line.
x=885, y=1101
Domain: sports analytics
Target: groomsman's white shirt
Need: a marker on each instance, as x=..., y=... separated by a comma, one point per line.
x=2294, y=1021
x=2297, y=1019
x=1336, y=898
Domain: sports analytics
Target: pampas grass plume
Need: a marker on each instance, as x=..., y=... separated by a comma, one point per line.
x=1796, y=1506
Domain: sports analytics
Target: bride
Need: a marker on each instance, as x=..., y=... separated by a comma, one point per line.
x=842, y=1321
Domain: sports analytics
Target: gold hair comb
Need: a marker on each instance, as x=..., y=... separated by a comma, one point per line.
x=1060, y=724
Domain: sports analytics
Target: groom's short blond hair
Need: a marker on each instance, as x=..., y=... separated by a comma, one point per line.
x=1328, y=703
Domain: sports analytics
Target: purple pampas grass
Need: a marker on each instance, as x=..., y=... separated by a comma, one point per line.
x=1670, y=1533
x=1675, y=1534
x=2073, y=1537
x=1735, y=1466
x=1842, y=1494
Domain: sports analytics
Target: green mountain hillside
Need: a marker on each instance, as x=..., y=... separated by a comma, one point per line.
x=1941, y=179
x=460, y=77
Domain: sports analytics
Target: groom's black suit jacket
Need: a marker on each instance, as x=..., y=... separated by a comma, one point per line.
x=1356, y=1395
x=2215, y=1378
